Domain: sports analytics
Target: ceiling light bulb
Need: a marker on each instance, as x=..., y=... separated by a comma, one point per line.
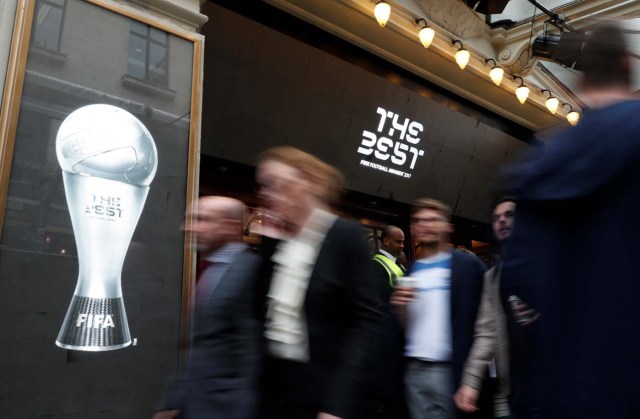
x=426, y=35
x=552, y=104
x=382, y=11
x=522, y=93
x=573, y=117
x=496, y=75
x=462, y=57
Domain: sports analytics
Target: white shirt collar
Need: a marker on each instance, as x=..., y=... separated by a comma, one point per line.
x=387, y=254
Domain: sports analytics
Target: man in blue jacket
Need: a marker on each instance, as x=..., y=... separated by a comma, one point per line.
x=573, y=255
x=438, y=305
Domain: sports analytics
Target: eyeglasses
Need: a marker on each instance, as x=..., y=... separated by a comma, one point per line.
x=417, y=220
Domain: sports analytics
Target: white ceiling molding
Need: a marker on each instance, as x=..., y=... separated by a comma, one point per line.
x=397, y=42
x=455, y=16
x=183, y=13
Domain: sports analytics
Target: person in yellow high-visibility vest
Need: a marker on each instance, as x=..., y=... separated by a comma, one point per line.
x=392, y=239
x=385, y=391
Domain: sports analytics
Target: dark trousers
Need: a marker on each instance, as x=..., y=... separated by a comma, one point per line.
x=525, y=411
x=290, y=391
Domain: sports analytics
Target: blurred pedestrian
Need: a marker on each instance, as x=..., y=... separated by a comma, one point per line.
x=222, y=370
x=490, y=345
x=438, y=305
x=573, y=255
x=322, y=308
x=386, y=399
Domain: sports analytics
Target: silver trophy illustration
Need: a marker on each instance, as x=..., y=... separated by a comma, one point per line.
x=108, y=160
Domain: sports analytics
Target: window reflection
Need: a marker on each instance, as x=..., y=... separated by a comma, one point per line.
x=47, y=25
x=148, y=54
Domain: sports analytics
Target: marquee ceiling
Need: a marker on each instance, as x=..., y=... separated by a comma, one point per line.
x=505, y=38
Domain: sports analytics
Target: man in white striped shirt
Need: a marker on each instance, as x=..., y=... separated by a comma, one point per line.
x=438, y=306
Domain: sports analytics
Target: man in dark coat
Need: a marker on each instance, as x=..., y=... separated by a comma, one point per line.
x=573, y=255
x=322, y=308
x=222, y=371
x=386, y=382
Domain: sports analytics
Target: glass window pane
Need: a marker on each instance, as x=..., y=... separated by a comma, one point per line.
x=158, y=60
x=137, y=57
x=159, y=36
x=135, y=69
x=139, y=28
x=137, y=48
x=47, y=26
x=158, y=76
x=158, y=56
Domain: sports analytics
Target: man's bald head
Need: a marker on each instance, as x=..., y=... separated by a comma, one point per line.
x=229, y=208
x=215, y=221
x=392, y=238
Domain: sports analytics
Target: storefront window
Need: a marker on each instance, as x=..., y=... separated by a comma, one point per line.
x=94, y=271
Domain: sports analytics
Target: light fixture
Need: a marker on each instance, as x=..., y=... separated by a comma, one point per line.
x=496, y=73
x=426, y=34
x=573, y=117
x=565, y=48
x=522, y=92
x=462, y=55
x=382, y=11
x=552, y=102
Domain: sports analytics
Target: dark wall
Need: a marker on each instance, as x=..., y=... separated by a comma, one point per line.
x=265, y=88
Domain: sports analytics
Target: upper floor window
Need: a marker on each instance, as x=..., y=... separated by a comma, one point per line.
x=148, y=54
x=47, y=24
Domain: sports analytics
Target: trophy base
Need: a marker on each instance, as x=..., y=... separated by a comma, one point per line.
x=95, y=325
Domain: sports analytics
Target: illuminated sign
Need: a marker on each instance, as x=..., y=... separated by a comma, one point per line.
x=108, y=160
x=393, y=147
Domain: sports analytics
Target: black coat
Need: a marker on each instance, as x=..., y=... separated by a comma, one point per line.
x=222, y=372
x=344, y=320
x=467, y=280
x=573, y=256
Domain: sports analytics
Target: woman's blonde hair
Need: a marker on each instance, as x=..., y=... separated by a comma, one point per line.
x=315, y=169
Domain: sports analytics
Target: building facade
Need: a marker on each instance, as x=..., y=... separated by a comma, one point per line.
x=401, y=121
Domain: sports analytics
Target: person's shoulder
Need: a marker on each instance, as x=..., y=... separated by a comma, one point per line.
x=624, y=106
x=247, y=256
x=345, y=223
x=377, y=267
x=463, y=256
x=616, y=118
x=346, y=228
x=468, y=260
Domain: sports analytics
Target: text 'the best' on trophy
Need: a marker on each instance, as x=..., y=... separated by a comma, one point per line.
x=108, y=160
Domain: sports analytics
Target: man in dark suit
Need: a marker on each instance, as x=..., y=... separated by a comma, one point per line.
x=438, y=305
x=573, y=254
x=323, y=311
x=222, y=372
x=386, y=382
